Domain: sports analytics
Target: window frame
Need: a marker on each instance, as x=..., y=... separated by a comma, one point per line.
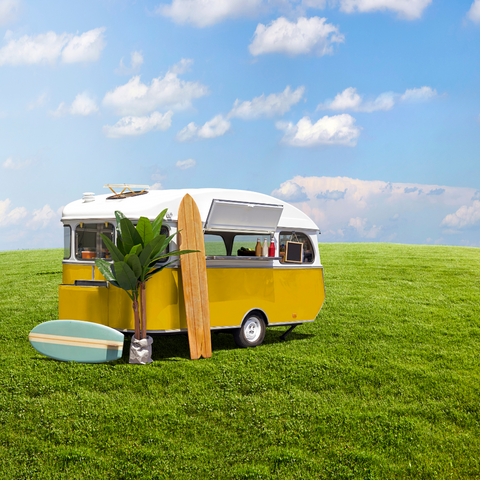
x=98, y=240
x=166, y=259
x=309, y=243
x=69, y=242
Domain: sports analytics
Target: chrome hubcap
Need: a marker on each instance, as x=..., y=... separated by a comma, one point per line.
x=252, y=329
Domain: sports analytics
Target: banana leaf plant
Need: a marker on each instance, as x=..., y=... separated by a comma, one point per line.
x=135, y=260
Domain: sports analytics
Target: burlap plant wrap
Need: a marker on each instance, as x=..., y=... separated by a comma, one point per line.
x=141, y=350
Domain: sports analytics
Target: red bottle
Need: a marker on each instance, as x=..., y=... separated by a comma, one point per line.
x=271, y=249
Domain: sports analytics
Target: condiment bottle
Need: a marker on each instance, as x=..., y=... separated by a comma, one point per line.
x=258, y=248
x=265, y=248
x=271, y=249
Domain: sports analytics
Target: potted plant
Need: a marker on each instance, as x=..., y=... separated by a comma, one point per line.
x=135, y=260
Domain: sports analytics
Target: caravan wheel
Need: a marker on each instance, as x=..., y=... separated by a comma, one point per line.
x=251, y=333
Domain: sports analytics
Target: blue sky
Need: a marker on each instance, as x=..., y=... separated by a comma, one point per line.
x=365, y=114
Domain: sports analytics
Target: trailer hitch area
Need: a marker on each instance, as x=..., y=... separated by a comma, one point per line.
x=284, y=335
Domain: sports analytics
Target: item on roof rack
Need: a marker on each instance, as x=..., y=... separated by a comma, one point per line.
x=123, y=193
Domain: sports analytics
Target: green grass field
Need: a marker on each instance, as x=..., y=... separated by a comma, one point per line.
x=384, y=385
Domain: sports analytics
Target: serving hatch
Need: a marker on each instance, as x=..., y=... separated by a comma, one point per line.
x=233, y=216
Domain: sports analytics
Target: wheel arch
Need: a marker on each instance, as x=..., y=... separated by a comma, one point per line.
x=257, y=311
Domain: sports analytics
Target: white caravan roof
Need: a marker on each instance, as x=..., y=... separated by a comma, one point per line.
x=225, y=210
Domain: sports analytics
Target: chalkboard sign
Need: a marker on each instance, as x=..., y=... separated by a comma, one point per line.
x=294, y=252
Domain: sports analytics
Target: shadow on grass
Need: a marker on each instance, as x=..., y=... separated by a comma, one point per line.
x=174, y=348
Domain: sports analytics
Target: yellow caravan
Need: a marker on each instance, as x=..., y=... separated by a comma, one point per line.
x=247, y=293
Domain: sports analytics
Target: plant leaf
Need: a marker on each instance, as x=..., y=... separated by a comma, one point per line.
x=149, y=249
x=170, y=254
x=105, y=269
x=120, y=244
x=130, y=236
x=133, y=262
x=119, y=216
x=115, y=252
x=154, y=271
x=166, y=243
x=136, y=249
x=144, y=229
x=163, y=247
x=126, y=278
x=157, y=223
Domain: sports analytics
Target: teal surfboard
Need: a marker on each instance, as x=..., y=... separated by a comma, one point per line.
x=75, y=341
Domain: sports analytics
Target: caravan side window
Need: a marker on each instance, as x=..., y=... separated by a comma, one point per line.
x=307, y=246
x=244, y=245
x=88, y=242
x=165, y=231
x=214, y=245
x=67, y=241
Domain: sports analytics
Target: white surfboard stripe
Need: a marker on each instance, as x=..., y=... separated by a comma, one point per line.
x=75, y=341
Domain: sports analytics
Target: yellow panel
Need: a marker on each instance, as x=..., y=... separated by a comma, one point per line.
x=284, y=294
x=165, y=304
x=77, y=272
x=83, y=303
x=120, y=309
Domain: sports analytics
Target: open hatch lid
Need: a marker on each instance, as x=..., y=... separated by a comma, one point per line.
x=233, y=216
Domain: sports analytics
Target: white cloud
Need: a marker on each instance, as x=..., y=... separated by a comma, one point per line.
x=203, y=13
x=335, y=130
x=436, y=191
x=349, y=99
x=137, y=98
x=290, y=192
x=216, y=127
x=465, y=216
x=185, y=164
x=273, y=105
x=17, y=224
x=86, y=47
x=183, y=66
x=11, y=217
x=83, y=105
x=314, y=3
x=11, y=164
x=349, y=209
x=136, y=61
x=156, y=186
x=474, y=12
x=307, y=35
x=43, y=48
x=48, y=47
x=362, y=228
x=418, y=94
x=408, y=9
x=333, y=195
x=9, y=10
x=39, y=102
x=134, y=126
x=42, y=217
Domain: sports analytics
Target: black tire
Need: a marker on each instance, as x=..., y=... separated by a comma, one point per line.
x=251, y=333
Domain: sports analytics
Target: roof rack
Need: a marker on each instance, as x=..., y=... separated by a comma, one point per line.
x=124, y=193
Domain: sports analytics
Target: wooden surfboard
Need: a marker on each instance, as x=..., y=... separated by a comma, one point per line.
x=194, y=279
x=76, y=341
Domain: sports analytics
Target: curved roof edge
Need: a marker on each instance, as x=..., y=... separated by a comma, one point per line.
x=151, y=204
